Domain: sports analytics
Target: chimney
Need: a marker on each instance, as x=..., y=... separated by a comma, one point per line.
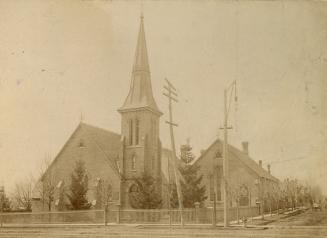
x=245, y=146
x=260, y=163
x=268, y=167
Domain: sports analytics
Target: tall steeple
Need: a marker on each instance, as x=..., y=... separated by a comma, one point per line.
x=140, y=119
x=140, y=94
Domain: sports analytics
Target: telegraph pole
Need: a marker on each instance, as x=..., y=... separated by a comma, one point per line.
x=171, y=94
x=231, y=87
x=2, y=196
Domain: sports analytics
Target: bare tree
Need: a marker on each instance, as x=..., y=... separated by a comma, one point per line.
x=23, y=194
x=105, y=193
x=48, y=185
x=45, y=185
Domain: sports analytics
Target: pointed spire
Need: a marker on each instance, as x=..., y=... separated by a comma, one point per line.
x=141, y=62
x=140, y=94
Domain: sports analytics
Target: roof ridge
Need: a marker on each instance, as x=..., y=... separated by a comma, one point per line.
x=257, y=169
x=99, y=128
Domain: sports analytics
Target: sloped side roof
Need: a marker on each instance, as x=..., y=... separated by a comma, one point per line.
x=244, y=158
x=108, y=142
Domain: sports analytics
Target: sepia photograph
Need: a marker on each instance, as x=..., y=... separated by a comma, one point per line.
x=163, y=118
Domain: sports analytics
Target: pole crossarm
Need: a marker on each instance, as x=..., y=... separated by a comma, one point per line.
x=170, y=84
x=171, y=123
x=223, y=128
x=170, y=97
x=171, y=91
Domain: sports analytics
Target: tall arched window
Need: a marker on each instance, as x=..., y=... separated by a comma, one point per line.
x=244, y=195
x=137, y=131
x=130, y=132
x=133, y=165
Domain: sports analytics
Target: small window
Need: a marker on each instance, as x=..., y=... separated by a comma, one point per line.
x=218, y=155
x=133, y=162
x=81, y=144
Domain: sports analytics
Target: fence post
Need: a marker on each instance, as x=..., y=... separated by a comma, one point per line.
x=214, y=211
x=237, y=211
x=118, y=213
x=197, y=212
x=105, y=214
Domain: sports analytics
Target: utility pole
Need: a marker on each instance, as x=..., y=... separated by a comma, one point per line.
x=171, y=94
x=214, y=218
x=2, y=196
x=231, y=87
x=169, y=191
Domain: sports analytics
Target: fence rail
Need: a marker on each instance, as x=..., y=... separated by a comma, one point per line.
x=138, y=216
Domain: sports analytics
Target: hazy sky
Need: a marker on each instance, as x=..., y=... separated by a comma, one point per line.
x=59, y=59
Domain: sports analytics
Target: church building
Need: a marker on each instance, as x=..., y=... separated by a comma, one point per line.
x=113, y=159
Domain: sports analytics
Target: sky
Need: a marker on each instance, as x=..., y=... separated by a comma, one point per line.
x=60, y=60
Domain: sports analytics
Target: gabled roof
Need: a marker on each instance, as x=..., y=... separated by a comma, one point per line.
x=242, y=157
x=108, y=142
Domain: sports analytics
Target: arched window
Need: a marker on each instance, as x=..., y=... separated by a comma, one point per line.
x=219, y=180
x=244, y=196
x=217, y=183
x=134, y=196
x=137, y=131
x=130, y=132
x=133, y=162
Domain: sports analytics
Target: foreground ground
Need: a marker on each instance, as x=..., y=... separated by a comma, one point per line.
x=157, y=232
x=308, y=224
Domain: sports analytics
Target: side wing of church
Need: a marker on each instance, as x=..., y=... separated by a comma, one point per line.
x=249, y=182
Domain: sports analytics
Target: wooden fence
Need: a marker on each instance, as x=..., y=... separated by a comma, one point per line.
x=136, y=216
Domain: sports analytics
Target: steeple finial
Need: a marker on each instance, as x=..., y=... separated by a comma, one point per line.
x=141, y=16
